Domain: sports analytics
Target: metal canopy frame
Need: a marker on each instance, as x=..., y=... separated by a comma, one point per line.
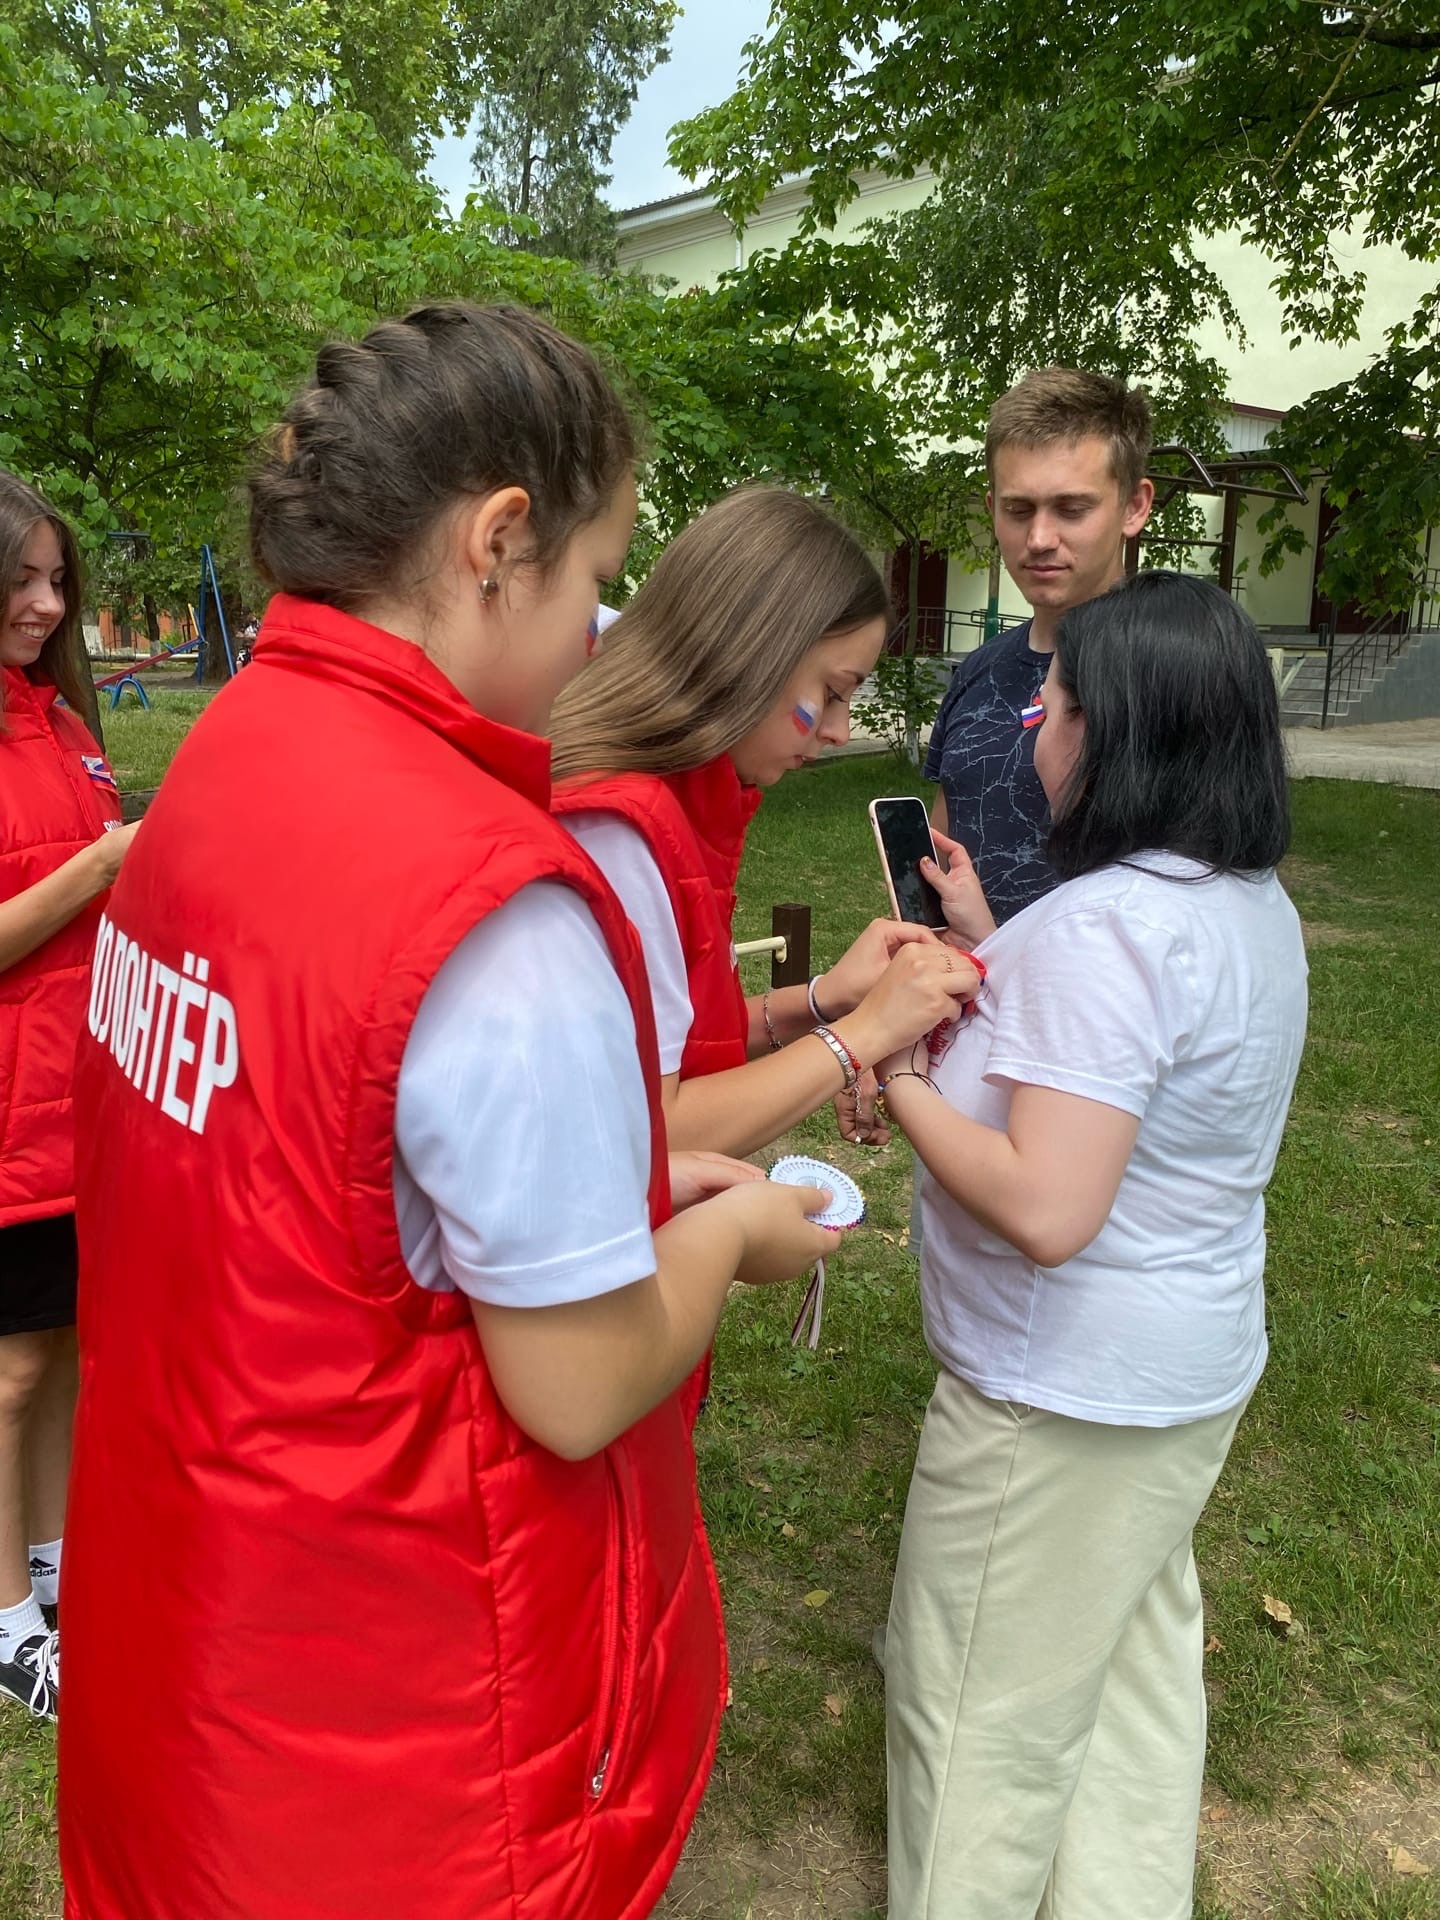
x=1227, y=477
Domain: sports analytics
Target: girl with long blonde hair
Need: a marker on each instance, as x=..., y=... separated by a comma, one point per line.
x=734, y=664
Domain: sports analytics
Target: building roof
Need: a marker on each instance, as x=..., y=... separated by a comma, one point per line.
x=702, y=199
x=698, y=194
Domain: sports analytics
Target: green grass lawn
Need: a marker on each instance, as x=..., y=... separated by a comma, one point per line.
x=140, y=741
x=1331, y=1499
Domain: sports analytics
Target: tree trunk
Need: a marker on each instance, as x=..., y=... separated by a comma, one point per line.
x=103, y=70
x=216, y=672
x=216, y=665
x=912, y=637
x=992, y=596
x=152, y=622
x=191, y=97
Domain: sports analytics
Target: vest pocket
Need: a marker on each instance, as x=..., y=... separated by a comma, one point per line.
x=11, y=1013
x=617, y=1673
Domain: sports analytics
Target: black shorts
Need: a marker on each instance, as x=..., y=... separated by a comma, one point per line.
x=38, y=1265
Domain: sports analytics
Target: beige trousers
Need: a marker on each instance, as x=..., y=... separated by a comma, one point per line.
x=1045, y=1724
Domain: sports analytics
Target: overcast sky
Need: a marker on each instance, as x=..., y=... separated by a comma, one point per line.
x=703, y=67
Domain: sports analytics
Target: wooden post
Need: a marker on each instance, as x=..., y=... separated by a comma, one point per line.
x=134, y=803
x=1229, y=527
x=793, y=923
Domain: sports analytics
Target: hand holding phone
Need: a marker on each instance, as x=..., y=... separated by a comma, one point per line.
x=962, y=896
x=902, y=834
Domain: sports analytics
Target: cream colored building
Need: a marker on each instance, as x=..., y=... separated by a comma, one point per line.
x=687, y=240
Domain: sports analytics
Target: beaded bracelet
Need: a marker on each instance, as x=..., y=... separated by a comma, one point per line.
x=849, y=1065
x=906, y=1073
x=769, y=1023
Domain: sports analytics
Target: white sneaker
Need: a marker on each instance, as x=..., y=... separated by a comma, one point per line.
x=32, y=1675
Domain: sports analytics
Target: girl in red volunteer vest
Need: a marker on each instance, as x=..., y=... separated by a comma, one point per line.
x=734, y=663
x=57, y=797
x=387, y=1591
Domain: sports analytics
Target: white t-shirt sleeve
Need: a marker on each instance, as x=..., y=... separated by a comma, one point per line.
x=522, y=1131
x=1095, y=1007
x=628, y=864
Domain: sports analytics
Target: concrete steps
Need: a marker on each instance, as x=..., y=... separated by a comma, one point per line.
x=1303, y=701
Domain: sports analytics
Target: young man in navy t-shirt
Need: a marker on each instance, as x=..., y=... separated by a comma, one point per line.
x=1066, y=453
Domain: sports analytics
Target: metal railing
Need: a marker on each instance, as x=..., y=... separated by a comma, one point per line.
x=944, y=630
x=1287, y=656
x=1349, y=668
x=1350, y=660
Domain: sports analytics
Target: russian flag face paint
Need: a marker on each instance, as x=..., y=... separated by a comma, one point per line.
x=592, y=637
x=803, y=720
x=1032, y=715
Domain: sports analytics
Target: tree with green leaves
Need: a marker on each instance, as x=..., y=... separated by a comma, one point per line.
x=561, y=80
x=188, y=66
x=1311, y=131
x=947, y=305
x=546, y=87
x=163, y=295
x=991, y=297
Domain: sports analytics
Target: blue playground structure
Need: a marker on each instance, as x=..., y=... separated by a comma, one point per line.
x=209, y=616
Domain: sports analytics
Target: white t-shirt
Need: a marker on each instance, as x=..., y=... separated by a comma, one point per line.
x=522, y=1132
x=1181, y=1001
x=627, y=863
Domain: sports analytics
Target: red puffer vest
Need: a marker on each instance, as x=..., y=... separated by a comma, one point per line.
x=56, y=794
x=694, y=825
x=341, y=1642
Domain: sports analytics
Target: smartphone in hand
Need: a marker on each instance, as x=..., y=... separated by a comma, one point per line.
x=902, y=834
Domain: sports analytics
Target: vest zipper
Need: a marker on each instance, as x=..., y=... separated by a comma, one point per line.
x=618, y=1678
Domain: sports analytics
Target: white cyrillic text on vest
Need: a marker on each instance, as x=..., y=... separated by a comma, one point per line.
x=172, y=1034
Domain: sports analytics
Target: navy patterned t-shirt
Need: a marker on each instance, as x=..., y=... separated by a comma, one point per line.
x=985, y=762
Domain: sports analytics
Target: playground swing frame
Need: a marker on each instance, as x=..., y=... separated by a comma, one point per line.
x=209, y=596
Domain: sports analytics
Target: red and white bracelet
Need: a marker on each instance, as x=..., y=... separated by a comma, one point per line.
x=849, y=1065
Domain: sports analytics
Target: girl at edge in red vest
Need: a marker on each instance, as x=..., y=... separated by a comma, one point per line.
x=735, y=663
x=57, y=798
x=388, y=1590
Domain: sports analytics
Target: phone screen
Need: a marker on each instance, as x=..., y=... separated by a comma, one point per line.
x=904, y=830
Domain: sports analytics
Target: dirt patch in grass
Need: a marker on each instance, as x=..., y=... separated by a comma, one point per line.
x=1324, y=933
x=814, y=1872
x=805, y=1873
x=1382, y=1117
x=1369, y=1820
x=1308, y=876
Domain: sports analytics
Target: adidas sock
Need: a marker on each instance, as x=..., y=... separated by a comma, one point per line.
x=19, y=1623
x=45, y=1572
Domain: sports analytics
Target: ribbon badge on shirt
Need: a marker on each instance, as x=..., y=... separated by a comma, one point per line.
x=95, y=765
x=940, y=1038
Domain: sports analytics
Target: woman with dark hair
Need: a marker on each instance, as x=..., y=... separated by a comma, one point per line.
x=57, y=800
x=734, y=664
x=388, y=1588
x=1097, y=1142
